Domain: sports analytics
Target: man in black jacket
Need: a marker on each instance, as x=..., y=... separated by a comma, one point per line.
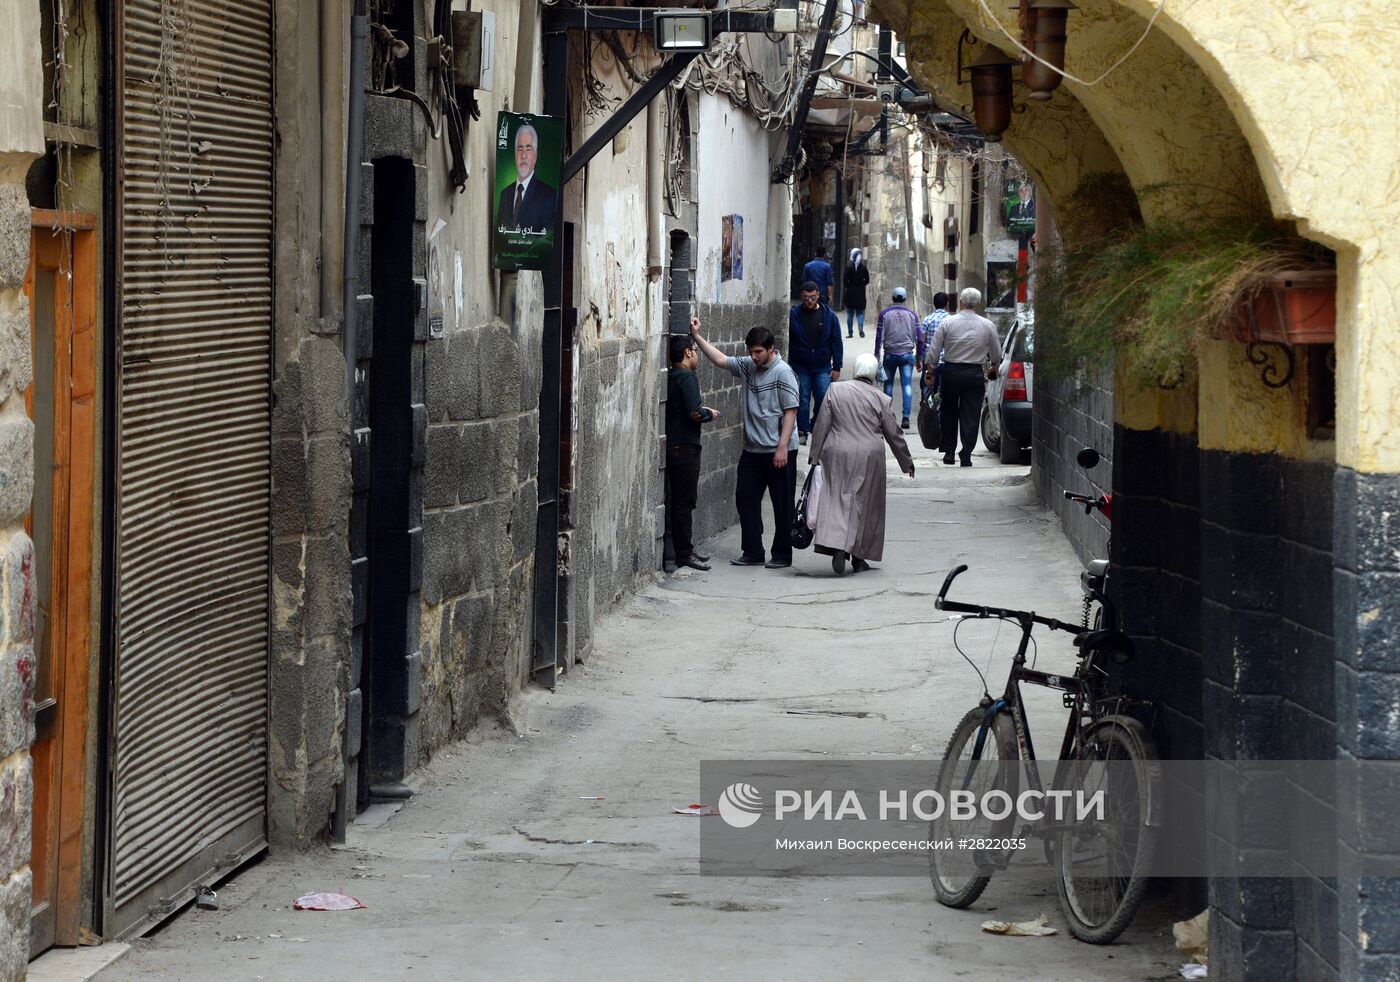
x=815, y=353
x=684, y=416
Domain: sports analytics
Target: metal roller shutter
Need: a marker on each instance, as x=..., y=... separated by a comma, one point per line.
x=189, y=726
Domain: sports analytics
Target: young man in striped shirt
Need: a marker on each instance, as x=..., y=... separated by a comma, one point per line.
x=769, y=460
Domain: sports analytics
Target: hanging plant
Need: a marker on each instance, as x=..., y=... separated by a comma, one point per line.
x=1152, y=292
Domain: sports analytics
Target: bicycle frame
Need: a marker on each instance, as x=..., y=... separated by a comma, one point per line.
x=1011, y=700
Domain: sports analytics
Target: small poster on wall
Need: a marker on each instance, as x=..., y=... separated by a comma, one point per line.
x=525, y=205
x=732, y=254
x=1001, y=286
x=437, y=285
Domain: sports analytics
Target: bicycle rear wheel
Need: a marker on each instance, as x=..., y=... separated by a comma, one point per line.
x=1102, y=865
x=958, y=877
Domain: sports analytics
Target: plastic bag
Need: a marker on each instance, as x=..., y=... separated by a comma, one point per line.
x=814, y=497
x=327, y=901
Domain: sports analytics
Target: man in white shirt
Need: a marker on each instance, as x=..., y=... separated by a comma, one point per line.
x=971, y=354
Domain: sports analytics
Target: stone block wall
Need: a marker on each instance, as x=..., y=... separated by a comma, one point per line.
x=479, y=503
x=1068, y=416
x=1366, y=692
x=309, y=650
x=17, y=660
x=1224, y=577
x=21, y=141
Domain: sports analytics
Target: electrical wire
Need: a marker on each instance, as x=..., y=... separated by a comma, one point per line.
x=1060, y=71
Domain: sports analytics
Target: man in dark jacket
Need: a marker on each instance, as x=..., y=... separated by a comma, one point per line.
x=854, y=282
x=684, y=416
x=818, y=271
x=815, y=353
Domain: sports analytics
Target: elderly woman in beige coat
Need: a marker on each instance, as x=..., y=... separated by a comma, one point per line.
x=849, y=438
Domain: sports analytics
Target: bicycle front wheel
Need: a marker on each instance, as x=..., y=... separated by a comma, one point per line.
x=1102, y=863
x=959, y=877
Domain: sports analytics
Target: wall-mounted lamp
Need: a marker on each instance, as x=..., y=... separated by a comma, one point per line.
x=682, y=30
x=990, y=75
x=1046, y=20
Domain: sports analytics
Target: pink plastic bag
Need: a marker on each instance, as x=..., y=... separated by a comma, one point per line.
x=327, y=901
x=814, y=498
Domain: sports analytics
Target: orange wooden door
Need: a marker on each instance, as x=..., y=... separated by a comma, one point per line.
x=61, y=287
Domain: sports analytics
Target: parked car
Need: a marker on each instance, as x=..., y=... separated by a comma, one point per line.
x=1006, y=412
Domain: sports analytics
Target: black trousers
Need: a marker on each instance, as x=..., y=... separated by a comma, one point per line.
x=964, y=387
x=757, y=475
x=682, y=491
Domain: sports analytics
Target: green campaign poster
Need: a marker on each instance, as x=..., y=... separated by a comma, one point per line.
x=1018, y=207
x=525, y=197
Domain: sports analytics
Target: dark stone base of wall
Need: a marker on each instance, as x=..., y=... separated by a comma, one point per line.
x=1069, y=417
x=1224, y=576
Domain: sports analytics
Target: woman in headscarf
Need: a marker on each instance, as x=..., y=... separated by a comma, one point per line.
x=856, y=422
x=853, y=284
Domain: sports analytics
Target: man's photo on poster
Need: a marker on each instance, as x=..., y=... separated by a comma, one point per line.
x=527, y=202
x=525, y=205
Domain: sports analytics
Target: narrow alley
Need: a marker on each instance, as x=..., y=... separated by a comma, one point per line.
x=384, y=383
x=548, y=848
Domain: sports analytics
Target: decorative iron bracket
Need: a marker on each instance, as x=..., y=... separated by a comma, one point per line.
x=1272, y=375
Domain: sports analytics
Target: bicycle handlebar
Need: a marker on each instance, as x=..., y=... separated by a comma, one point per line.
x=1089, y=503
x=1024, y=616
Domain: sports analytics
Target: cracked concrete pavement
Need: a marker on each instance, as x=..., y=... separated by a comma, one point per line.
x=547, y=847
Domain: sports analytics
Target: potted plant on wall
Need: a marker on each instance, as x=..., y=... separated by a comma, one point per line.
x=1295, y=307
x=1151, y=293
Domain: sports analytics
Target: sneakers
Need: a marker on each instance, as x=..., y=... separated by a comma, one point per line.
x=904, y=425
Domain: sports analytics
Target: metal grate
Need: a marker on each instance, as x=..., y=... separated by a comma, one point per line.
x=195, y=240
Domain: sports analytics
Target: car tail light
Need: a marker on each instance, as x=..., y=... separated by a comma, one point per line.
x=1015, y=389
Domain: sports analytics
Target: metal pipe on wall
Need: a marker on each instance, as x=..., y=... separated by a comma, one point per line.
x=354, y=150
x=656, y=170
x=350, y=335
x=333, y=24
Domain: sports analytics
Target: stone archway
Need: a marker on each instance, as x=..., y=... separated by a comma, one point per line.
x=1270, y=533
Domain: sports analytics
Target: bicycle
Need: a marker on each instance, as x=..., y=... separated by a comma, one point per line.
x=1100, y=865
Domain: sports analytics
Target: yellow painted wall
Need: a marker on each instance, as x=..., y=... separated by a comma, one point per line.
x=1286, y=104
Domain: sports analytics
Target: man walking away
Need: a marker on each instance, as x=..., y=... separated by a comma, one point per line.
x=971, y=351
x=933, y=369
x=815, y=353
x=898, y=332
x=769, y=460
x=818, y=271
x=684, y=416
x=856, y=279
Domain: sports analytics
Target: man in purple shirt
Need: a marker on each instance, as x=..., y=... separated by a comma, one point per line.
x=901, y=337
